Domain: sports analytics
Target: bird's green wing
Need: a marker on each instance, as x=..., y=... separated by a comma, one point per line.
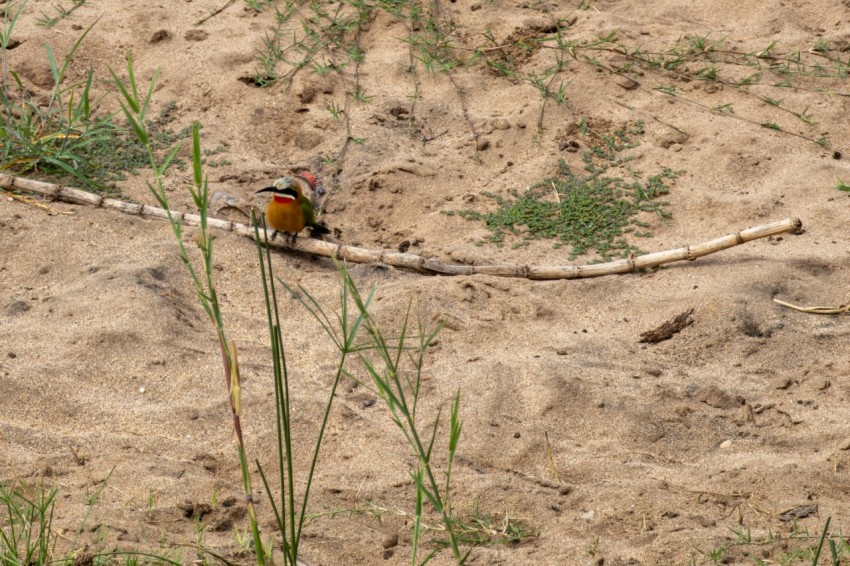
x=310, y=219
x=307, y=211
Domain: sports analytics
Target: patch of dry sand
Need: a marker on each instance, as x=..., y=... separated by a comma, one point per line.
x=657, y=449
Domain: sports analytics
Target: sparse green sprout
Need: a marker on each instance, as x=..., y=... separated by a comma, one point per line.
x=748, y=80
x=502, y=68
x=666, y=89
x=322, y=69
x=805, y=116
x=361, y=96
x=560, y=96
x=335, y=110
x=767, y=52
x=610, y=38
x=68, y=137
x=707, y=74
x=48, y=21
x=821, y=46
x=841, y=185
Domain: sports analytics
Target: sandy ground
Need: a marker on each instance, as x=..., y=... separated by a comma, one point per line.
x=108, y=366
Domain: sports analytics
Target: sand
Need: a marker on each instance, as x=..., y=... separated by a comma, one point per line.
x=655, y=452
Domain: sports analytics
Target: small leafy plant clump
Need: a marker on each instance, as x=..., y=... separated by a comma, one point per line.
x=28, y=536
x=798, y=546
x=590, y=211
x=68, y=138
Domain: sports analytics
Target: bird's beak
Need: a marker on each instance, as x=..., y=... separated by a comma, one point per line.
x=267, y=190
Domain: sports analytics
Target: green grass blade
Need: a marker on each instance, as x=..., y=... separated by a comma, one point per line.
x=138, y=129
x=417, y=524
x=144, y=110
x=433, y=437
x=456, y=426
x=10, y=26
x=68, y=169
x=420, y=485
x=196, y=152
x=86, y=95
x=131, y=101
x=168, y=159
x=277, y=516
x=315, y=310
x=820, y=543
x=54, y=70
x=131, y=75
x=70, y=56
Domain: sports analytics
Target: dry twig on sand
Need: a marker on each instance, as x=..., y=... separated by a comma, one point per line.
x=411, y=261
x=845, y=308
x=669, y=329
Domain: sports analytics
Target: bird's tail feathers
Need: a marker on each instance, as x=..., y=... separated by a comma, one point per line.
x=319, y=229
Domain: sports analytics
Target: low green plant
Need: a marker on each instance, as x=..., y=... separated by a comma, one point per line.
x=27, y=524
x=268, y=57
x=383, y=359
x=361, y=96
x=324, y=40
x=27, y=534
x=258, y=5
x=290, y=510
x=335, y=110
x=591, y=211
x=480, y=528
x=56, y=139
x=135, y=107
x=68, y=138
x=49, y=21
x=593, y=548
x=799, y=546
x=820, y=46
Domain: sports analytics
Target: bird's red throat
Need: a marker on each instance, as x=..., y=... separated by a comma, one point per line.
x=284, y=199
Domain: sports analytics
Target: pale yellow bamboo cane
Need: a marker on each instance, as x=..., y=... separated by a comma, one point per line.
x=411, y=261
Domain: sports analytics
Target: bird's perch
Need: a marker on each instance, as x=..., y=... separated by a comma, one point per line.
x=411, y=261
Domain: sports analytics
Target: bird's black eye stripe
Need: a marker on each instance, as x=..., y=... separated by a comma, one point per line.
x=289, y=192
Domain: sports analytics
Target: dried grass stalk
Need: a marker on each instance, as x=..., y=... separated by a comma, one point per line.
x=842, y=309
x=415, y=262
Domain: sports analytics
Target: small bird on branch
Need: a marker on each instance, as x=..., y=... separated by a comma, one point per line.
x=290, y=211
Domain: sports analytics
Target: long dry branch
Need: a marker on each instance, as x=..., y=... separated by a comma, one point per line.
x=411, y=261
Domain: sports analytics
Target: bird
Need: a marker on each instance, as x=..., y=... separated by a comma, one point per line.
x=289, y=210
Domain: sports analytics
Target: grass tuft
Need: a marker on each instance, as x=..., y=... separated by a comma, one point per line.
x=61, y=13
x=67, y=138
x=28, y=537
x=590, y=211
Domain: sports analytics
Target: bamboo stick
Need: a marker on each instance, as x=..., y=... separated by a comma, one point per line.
x=410, y=261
